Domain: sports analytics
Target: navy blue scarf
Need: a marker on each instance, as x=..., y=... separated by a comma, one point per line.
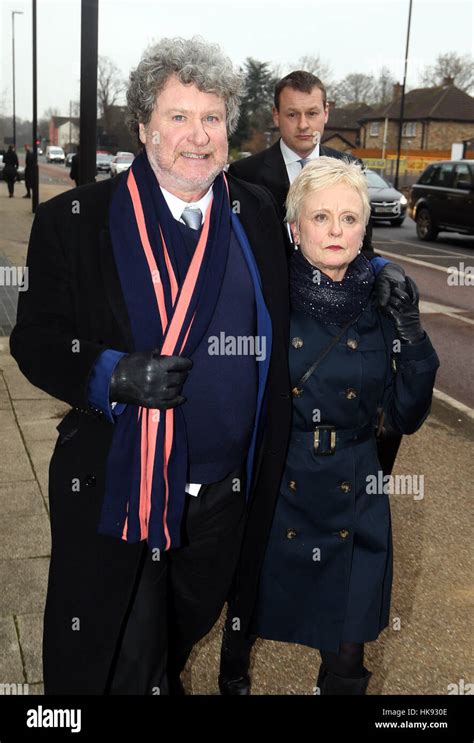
x=332, y=302
x=126, y=513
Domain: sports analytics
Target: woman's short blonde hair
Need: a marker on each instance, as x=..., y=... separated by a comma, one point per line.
x=325, y=172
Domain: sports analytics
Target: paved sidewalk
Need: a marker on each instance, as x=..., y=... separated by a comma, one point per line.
x=429, y=642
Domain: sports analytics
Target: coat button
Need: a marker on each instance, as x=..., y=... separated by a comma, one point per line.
x=352, y=343
x=344, y=533
x=296, y=391
x=292, y=485
x=290, y=534
x=297, y=342
x=345, y=486
x=90, y=481
x=351, y=393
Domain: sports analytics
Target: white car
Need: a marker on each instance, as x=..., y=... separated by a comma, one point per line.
x=121, y=162
x=54, y=154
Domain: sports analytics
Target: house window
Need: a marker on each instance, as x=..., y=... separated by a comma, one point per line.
x=409, y=129
x=374, y=129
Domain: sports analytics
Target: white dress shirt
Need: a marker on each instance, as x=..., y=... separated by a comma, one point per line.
x=291, y=158
x=177, y=205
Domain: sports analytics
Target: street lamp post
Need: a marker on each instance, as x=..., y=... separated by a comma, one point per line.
x=402, y=100
x=35, y=199
x=14, y=13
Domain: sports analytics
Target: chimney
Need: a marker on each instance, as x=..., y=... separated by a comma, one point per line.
x=331, y=105
x=447, y=80
x=396, y=91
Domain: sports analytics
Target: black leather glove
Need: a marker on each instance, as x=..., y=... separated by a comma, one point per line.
x=402, y=307
x=150, y=380
x=390, y=274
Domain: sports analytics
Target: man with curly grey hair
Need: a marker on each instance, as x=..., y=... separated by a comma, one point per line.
x=158, y=310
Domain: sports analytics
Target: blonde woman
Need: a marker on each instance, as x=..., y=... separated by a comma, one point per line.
x=327, y=573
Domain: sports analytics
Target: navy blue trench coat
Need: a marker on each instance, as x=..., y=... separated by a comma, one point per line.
x=327, y=572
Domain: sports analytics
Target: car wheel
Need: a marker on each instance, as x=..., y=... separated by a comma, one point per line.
x=425, y=227
x=397, y=222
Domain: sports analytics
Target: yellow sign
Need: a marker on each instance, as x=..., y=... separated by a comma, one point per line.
x=419, y=163
x=372, y=162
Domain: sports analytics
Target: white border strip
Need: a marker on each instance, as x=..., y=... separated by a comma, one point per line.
x=453, y=403
x=400, y=257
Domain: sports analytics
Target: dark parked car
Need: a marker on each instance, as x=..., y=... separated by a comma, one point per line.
x=443, y=199
x=386, y=203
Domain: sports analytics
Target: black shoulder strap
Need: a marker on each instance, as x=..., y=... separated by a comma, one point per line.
x=298, y=389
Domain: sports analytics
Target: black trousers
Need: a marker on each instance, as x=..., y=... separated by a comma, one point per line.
x=11, y=185
x=178, y=598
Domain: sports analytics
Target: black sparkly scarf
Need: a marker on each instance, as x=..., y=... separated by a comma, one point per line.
x=333, y=302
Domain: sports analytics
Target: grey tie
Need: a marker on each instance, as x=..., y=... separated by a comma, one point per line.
x=192, y=217
x=303, y=161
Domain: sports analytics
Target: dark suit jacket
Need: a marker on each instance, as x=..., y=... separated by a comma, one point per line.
x=268, y=169
x=73, y=310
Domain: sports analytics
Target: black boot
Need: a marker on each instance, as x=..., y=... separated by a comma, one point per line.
x=234, y=679
x=330, y=684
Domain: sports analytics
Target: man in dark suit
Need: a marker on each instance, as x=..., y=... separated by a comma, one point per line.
x=74, y=172
x=29, y=171
x=136, y=581
x=300, y=111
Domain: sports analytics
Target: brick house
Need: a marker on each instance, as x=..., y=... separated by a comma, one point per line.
x=64, y=132
x=434, y=118
x=342, y=132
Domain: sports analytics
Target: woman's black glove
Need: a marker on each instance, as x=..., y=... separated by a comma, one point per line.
x=150, y=380
x=390, y=274
x=402, y=307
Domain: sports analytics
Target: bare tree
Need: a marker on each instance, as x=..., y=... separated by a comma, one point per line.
x=355, y=88
x=383, y=87
x=48, y=113
x=451, y=64
x=110, y=85
x=314, y=64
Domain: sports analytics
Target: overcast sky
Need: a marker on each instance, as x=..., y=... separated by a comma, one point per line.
x=350, y=36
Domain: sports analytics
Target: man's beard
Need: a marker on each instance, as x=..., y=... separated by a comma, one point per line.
x=181, y=182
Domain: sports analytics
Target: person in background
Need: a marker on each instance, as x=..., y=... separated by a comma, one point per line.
x=10, y=161
x=74, y=173
x=29, y=171
x=300, y=111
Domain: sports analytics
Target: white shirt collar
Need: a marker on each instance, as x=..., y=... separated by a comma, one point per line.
x=290, y=156
x=177, y=205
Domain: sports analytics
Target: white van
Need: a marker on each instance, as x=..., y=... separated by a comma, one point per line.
x=54, y=154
